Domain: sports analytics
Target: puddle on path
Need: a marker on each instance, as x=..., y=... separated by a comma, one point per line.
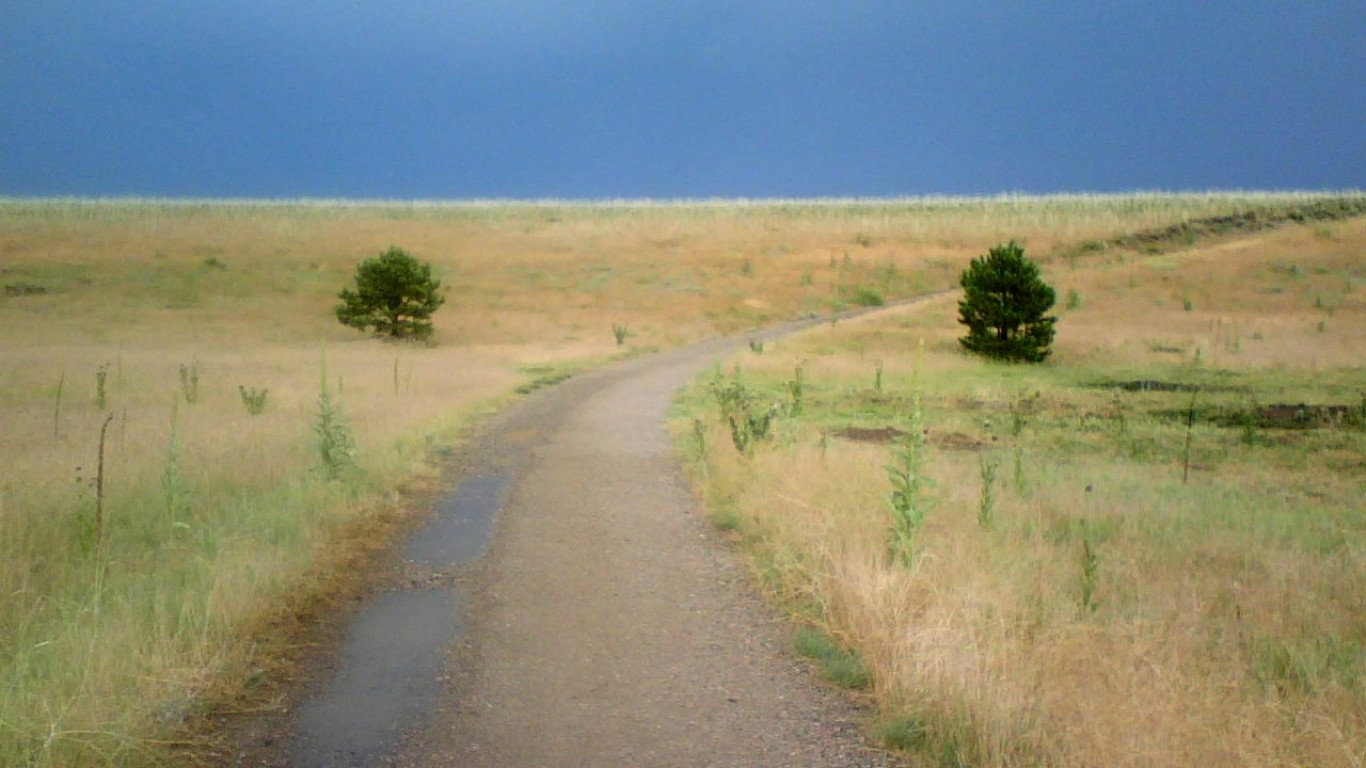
x=391, y=663
x=462, y=527
x=390, y=674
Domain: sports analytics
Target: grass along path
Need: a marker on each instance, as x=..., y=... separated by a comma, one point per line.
x=1144, y=552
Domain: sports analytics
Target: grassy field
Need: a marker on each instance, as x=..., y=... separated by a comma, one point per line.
x=1146, y=552
x=141, y=589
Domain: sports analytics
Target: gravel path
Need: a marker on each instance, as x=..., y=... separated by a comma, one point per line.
x=609, y=625
x=568, y=604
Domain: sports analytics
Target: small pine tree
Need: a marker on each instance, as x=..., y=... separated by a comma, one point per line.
x=1004, y=305
x=395, y=296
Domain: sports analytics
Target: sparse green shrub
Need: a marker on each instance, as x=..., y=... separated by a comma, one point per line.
x=756, y=346
x=807, y=278
x=1004, y=306
x=747, y=268
x=1188, y=305
x=620, y=331
x=254, y=400
x=395, y=296
x=749, y=421
x=866, y=296
x=1074, y=299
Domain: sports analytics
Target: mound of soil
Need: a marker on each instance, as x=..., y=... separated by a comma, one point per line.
x=1301, y=416
x=879, y=435
x=1153, y=385
x=952, y=441
x=1276, y=416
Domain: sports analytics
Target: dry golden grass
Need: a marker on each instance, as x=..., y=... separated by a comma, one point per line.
x=223, y=519
x=1229, y=626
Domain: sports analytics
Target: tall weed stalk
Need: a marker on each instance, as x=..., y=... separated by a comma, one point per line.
x=909, y=499
x=57, y=408
x=986, y=509
x=336, y=447
x=174, y=492
x=189, y=382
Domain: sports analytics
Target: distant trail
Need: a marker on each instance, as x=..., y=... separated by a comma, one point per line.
x=607, y=624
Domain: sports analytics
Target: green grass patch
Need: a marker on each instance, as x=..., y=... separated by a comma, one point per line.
x=839, y=665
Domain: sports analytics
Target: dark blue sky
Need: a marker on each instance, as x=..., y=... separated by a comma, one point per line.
x=700, y=98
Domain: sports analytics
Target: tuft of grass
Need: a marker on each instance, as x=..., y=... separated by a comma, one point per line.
x=866, y=296
x=904, y=732
x=544, y=376
x=839, y=665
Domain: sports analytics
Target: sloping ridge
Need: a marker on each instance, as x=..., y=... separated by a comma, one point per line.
x=1245, y=222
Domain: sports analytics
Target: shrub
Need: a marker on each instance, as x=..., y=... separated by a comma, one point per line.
x=395, y=296
x=865, y=296
x=1004, y=305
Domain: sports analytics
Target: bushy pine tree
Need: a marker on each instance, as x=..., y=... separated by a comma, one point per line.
x=1005, y=305
x=395, y=296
